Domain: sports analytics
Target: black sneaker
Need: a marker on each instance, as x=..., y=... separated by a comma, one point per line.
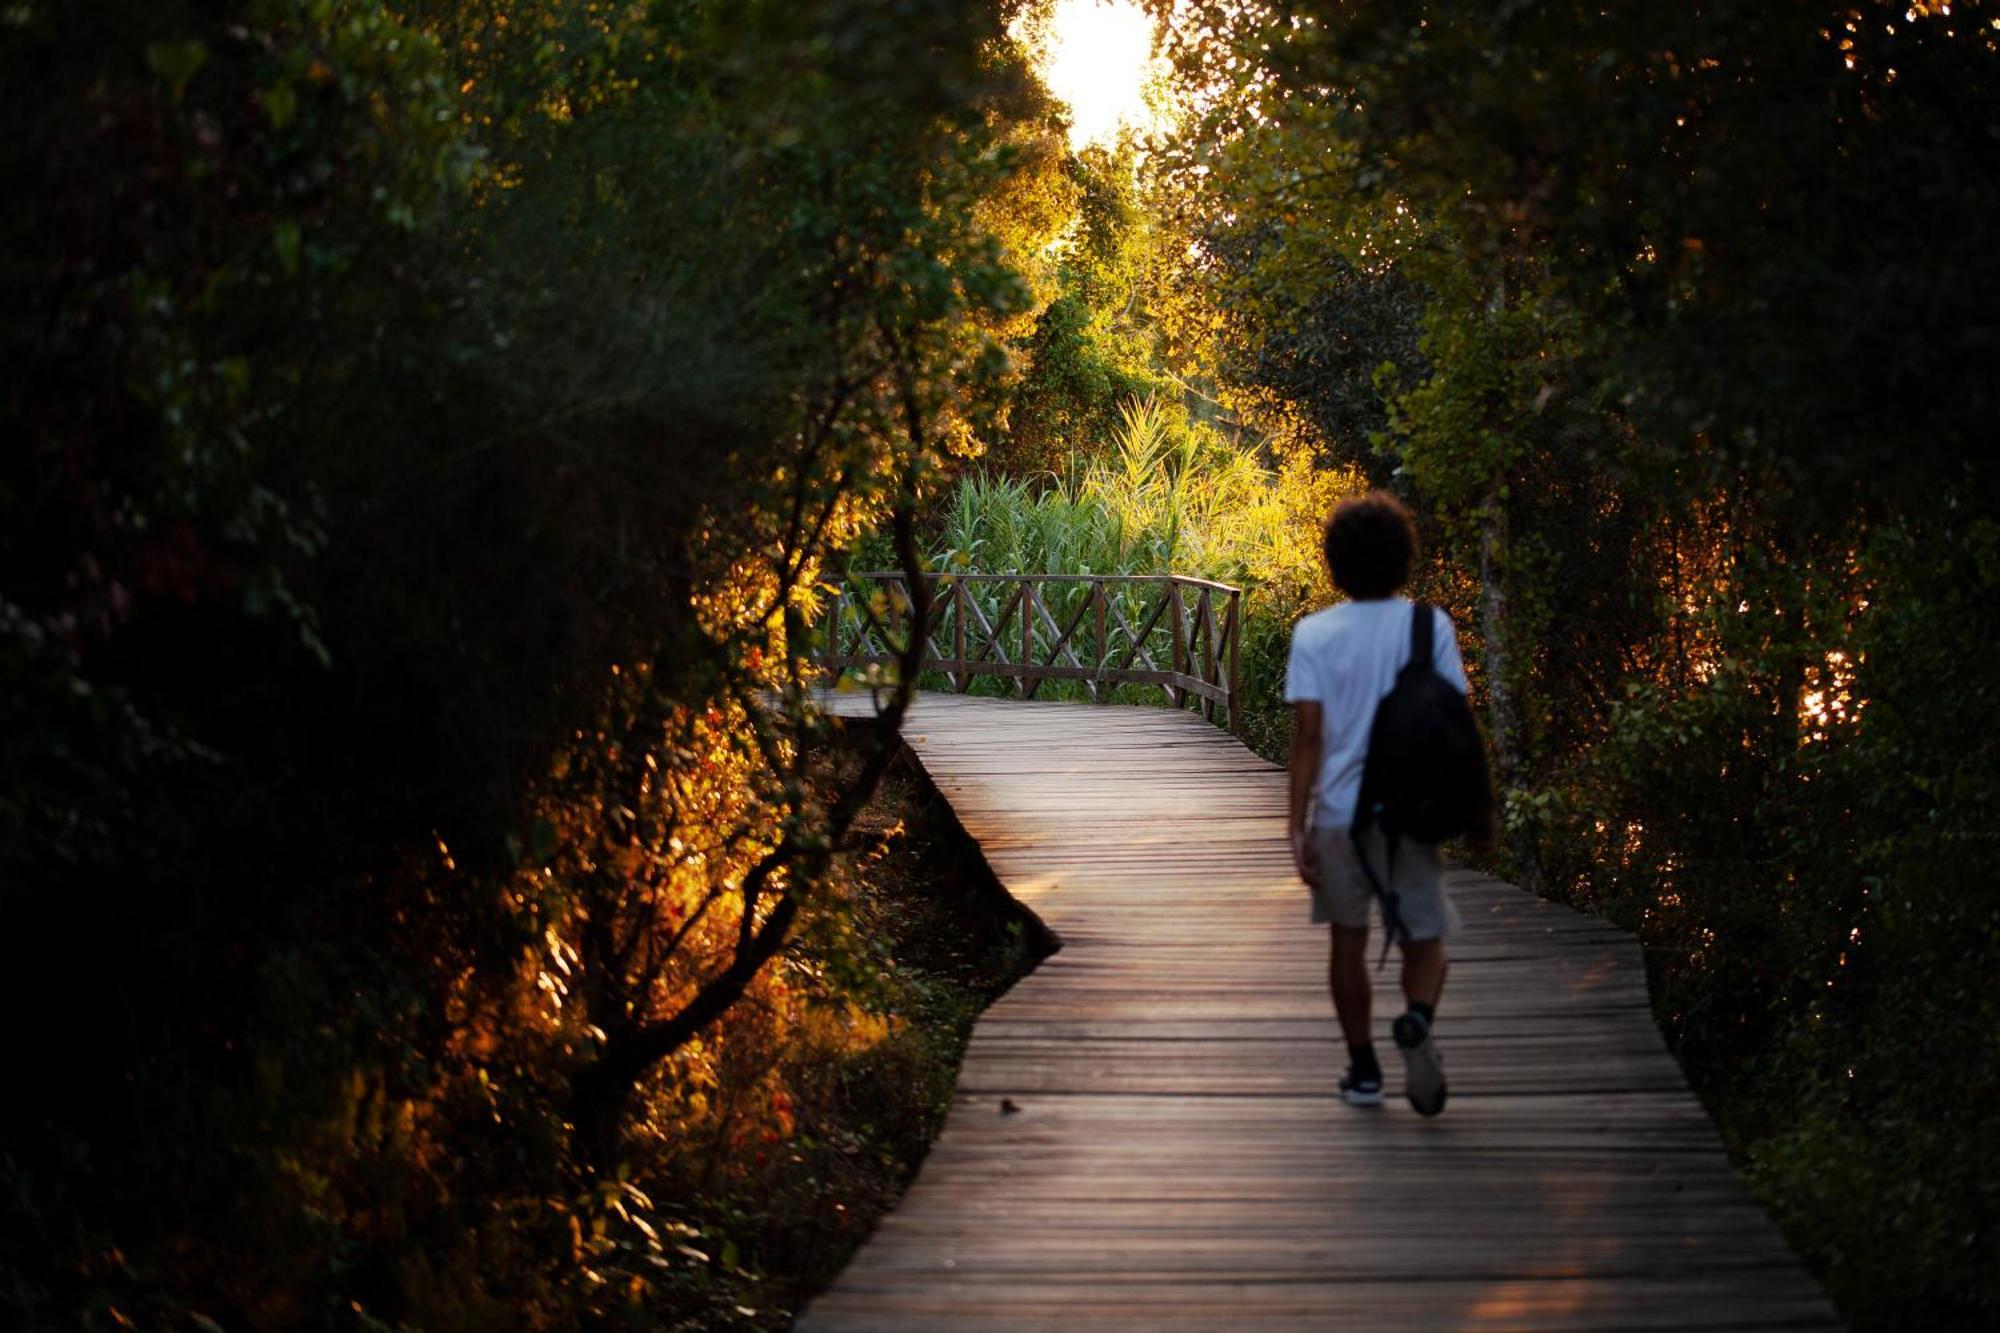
x=1361, y=1089
x=1423, y=1066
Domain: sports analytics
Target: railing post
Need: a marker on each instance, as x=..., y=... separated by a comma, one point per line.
x=1180, y=646
x=1098, y=684
x=1027, y=636
x=961, y=679
x=1205, y=616
x=1233, y=633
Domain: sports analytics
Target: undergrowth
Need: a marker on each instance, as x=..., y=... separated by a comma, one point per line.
x=780, y=1216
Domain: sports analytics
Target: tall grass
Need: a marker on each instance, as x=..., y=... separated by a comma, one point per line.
x=1161, y=497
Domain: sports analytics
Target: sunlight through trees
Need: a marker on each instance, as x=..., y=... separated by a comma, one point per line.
x=437, y=430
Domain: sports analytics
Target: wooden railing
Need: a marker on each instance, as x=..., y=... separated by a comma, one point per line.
x=1101, y=630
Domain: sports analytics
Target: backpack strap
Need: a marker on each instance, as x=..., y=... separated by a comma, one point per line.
x=1393, y=928
x=1422, y=625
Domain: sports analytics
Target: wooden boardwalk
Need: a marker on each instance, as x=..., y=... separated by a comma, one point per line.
x=1179, y=1159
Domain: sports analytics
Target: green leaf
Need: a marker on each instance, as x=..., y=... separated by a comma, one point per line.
x=285, y=240
x=176, y=63
x=234, y=372
x=281, y=105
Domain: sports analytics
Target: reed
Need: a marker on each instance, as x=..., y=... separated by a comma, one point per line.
x=1159, y=497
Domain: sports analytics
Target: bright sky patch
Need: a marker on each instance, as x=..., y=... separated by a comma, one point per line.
x=1098, y=60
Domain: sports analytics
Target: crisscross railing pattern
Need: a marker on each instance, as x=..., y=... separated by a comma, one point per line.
x=1167, y=631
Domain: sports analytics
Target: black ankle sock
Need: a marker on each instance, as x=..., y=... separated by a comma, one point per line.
x=1427, y=1012
x=1362, y=1059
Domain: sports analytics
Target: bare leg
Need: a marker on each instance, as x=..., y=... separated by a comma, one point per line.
x=1424, y=967
x=1348, y=977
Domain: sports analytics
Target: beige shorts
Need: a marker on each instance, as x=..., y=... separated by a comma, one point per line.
x=1344, y=894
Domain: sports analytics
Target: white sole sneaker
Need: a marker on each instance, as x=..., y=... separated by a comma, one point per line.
x=1362, y=1093
x=1423, y=1067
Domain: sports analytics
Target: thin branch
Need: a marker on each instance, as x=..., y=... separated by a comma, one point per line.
x=805, y=857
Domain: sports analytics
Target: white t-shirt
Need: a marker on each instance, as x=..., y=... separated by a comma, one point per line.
x=1345, y=659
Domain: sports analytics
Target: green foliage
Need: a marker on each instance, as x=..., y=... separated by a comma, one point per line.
x=1166, y=495
x=424, y=421
x=811, y=1136
x=1092, y=349
x=1641, y=306
x=1064, y=403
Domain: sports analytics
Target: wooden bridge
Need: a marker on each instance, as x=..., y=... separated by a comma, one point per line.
x=1093, y=632
x=1146, y=1133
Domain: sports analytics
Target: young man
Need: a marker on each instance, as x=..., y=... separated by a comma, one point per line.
x=1343, y=661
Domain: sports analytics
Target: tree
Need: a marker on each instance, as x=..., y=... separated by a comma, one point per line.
x=1091, y=350
x=1677, y=275
x=434, y=422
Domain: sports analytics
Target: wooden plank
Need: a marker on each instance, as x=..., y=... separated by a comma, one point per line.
x=1146, y=1133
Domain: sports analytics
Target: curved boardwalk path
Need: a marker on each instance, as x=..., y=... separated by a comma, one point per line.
x=1179, y=1159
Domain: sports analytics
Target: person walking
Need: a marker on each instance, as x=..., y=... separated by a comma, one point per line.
x=1345, y=661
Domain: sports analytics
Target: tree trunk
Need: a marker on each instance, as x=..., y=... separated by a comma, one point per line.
x=600, y=1098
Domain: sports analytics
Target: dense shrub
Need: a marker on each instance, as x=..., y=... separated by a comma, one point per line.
x=1640, y=305
x=425, y=427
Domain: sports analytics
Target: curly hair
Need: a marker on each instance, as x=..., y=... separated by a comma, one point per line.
x=1371, y=542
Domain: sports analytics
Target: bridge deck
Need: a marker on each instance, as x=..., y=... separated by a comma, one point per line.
x=1179, y=1159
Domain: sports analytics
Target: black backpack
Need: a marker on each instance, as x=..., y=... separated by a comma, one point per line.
x=1425, y=776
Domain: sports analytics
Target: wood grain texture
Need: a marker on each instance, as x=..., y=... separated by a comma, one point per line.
x=1179, y=1158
